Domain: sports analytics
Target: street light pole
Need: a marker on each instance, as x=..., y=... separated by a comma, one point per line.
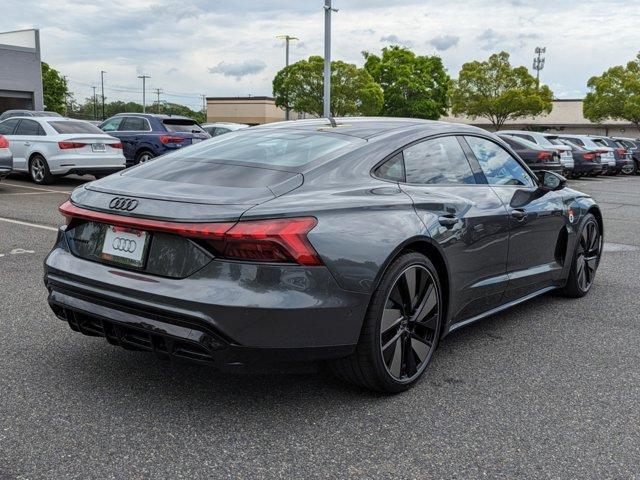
x=102, y=72
x=538, y=63
x=327, y=57
x=95, y=104
x=287, y=39
x=144, y=92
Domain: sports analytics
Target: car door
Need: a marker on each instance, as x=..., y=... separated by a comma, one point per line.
x=464, y=216
x=130, y=132
x=25, y=139
x=536, y=219
x=7, y=128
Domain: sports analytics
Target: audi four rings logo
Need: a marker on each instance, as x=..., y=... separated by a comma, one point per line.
x=124, y=245
x=122, y=203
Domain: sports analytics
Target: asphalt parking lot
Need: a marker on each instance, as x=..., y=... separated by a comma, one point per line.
x=549, y=389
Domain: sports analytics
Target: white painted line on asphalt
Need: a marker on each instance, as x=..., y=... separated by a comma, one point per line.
x=65, y=192
x=28, y=224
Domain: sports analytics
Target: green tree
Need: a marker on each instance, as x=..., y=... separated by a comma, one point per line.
x=353, y=91
x=55, y=89
x=615, y=94
x=413, y=85
x=495, y=90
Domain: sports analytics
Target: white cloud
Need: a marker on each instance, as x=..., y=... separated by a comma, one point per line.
x=177, y=41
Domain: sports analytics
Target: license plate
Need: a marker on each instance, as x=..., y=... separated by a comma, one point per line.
x=196, y=140
x=125, y=246
x=98, y=147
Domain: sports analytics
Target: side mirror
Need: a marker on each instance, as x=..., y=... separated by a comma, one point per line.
x=551, y=181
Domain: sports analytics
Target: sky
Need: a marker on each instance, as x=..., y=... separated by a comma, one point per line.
x=229, y=48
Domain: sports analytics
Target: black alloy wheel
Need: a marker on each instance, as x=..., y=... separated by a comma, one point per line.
x=586, y=259
x=409, y=323
x=401, y=329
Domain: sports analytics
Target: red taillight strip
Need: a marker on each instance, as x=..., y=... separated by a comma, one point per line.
x=236, y=240
x=193, y=230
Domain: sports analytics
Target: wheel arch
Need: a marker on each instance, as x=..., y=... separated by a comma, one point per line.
x=430, y=249
x=595, y=211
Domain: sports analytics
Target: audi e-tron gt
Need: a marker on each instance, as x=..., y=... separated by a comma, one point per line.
x=359, y=242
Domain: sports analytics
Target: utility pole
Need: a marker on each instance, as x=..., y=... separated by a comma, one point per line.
x=144, y=92
x=287, y=39
x=158, y=92
x=204, y=107
x=538, y=63
x=95, y=104
x=102, y=72
x=327, y=57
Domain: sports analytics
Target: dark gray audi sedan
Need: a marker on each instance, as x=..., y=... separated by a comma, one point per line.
x=359, y=242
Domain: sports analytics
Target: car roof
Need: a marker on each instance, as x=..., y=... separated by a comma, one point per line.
x=159, y=116
x=369, y=127
x=225, y=124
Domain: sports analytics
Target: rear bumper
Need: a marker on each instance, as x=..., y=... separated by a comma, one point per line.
x=230, y=313
x=587, y=167
x=537, y=167
x=89, y=170
x=73, y=163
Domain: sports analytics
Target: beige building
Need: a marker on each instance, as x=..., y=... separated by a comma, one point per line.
x=250, y=110
x=566, y=116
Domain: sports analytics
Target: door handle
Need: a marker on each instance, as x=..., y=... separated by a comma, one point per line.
x=519, y=214
x=26, y=144
x=448, y=220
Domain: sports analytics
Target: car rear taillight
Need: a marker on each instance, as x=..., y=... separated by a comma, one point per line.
x=545, y=157
x=278, y=240
x=4, y=143
x=68, y=145
x=621, y=151
x=116, y=145
x=588, y=156
x=169, y=139
x=282, y=240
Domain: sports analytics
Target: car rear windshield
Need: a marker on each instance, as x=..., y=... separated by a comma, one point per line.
x=276, y=147
x=184, y=126
x=65, y=126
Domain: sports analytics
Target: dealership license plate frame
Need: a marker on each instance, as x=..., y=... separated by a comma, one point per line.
x=98, y=148
x=121, y=255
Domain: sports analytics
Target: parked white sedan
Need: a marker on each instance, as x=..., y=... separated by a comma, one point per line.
x=48, y=147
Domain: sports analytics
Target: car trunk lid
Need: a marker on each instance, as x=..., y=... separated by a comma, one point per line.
x=191, y=191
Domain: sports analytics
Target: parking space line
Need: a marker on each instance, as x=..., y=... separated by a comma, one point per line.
x=65, y=192
x=28, y=224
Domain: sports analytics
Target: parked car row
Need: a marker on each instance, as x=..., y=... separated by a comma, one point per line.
x=577, y=155
x=46, y=145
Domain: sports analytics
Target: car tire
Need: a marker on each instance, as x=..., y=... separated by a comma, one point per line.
x=393, y=353
x=144, y=156
x=585, y=260
x=39, y=170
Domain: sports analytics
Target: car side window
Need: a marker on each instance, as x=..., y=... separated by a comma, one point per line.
x=498, y=165
x=8, y=126
x=220, y=131
x=111, y=125
x=29, y=127
x=437, y=161
x=392, y=169
x=134, y=124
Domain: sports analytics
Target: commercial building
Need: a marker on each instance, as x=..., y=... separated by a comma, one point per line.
x=20, y=71
x=249, y=110
x=566, y=116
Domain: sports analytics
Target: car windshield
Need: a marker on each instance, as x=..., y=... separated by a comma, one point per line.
x=184, y=126
x=286, y=148
x=74, y=127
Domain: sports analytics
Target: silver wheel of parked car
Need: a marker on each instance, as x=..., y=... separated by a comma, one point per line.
x=144, y=156
x=39, y=170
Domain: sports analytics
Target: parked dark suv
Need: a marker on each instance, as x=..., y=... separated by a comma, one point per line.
x=146, y=135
